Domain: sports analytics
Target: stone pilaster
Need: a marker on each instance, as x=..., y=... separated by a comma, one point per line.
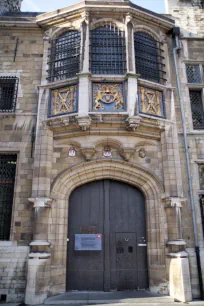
x=38, y=276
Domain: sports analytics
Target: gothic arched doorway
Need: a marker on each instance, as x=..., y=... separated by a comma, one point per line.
x=114, y=213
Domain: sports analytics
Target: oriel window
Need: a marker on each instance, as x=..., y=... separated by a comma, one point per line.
x=8, y=93
x=64, y=57
x=107, y=50
x=7, y=180
x=149, y=58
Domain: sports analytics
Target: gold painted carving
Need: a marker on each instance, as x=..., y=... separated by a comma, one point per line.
x=64, y=100
x=151, y=101
x=106, y=94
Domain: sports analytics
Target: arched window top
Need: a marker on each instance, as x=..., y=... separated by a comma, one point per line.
x=64, y=58
x=148, y=57
x=108, y=50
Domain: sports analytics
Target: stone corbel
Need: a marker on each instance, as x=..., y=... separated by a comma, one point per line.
x=126, y=152
x=41, y=202
x=133, y=122
x=88, y=152
x=84, y=122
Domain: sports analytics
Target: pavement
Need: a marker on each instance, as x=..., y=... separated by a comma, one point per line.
x=128, y=298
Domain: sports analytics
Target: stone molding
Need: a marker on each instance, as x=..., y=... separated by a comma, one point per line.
x=40, y=202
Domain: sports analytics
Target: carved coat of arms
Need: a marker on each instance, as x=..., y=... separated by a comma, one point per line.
x=108, y=97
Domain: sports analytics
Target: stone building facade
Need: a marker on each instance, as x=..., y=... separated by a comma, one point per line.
x=91, y=100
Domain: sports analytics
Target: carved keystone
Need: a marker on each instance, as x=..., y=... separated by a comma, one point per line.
x=133, y=122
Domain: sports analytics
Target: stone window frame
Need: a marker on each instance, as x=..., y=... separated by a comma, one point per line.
x=195, y=87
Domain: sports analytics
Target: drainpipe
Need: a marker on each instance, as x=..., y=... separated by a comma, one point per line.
x=176, y=49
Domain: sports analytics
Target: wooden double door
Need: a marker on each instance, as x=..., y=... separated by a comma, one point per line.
x=115, y=211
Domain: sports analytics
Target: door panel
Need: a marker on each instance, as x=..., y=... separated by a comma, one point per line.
x=117, y=211
x=86, y=211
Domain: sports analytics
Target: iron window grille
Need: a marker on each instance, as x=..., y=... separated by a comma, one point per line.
x=193, y=74
x=64, y=56
x=148, y=57
x=197, y=109
x=8, y=94
x=7, y=181
x=107, y=50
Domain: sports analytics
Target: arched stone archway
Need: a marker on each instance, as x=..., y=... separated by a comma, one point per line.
x=133, y=174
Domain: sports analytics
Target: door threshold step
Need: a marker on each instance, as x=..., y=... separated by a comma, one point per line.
x=97, y=298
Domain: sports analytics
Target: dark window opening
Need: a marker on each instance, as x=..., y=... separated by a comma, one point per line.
x=148, y=58
x=8, y=93
x=107, y=50
x=64, y=57
x=7, y=180
x=197, y=109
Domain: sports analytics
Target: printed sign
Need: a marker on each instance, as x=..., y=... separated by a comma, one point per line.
x=88, y=242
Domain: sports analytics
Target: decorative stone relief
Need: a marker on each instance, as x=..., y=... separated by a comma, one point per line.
x=151, y=101
x=63, y=100
x=12, y=5
x=107, y=152
x=127, y=152
x=88, y=152
x=142, y=153
x=72, y=152
x=108, y=97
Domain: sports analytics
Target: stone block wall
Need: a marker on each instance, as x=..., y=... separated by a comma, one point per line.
x=17, y=135
x=13, y=261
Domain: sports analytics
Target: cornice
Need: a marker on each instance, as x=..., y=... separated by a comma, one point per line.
x=74, y=11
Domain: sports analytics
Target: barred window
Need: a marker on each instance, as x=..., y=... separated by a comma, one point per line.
x=64, y=57
x=193, y=74
x=107, y=50
x=148, y=57
x=197, y=109
x=8, y=93
x=7, y=180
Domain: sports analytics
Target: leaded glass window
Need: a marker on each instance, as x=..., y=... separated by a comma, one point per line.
x=201, y=176
x=64, y=58
x=148, y=57
x=7, y=180
x=8, y=93
x=193, y=74
x=197, y=109
x=107, y=50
